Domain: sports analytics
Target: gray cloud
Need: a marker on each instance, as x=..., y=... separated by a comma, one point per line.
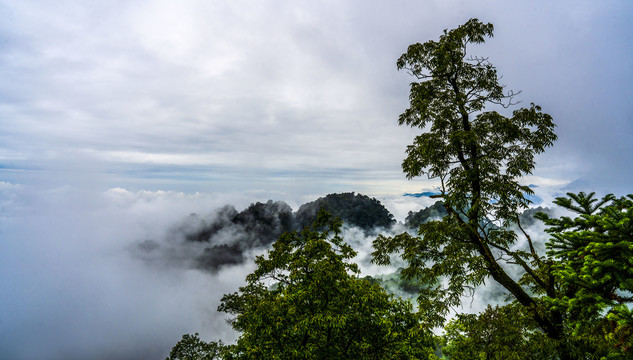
x=72, y=290
x=277, y=90
x=89, y=274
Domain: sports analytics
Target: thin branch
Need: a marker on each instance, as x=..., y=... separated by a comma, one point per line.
x=529, y=239
x=511, y=94
x=519, y=261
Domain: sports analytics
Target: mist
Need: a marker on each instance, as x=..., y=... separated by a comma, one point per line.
x=112, y=274
x=73, y=289
x=121, y=274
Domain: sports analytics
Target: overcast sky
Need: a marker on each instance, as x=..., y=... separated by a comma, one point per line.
x=119, y=118
x=294, y=96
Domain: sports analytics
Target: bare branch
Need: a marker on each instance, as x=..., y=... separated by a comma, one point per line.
x=509, y=96
x=519, y=261
x=529, y=239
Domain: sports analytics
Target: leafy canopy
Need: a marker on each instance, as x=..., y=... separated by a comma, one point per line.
x=594, y=253
x=305, y=300
x=498, y=333
x=477, y=157
x=190, y=347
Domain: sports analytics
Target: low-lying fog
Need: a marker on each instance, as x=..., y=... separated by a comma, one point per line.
x=111, y=275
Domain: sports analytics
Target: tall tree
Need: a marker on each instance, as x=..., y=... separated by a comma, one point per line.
x=477, y=157
x=498, y=333
x=306, y=301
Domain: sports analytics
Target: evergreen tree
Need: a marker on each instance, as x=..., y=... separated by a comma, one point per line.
x=594, y=267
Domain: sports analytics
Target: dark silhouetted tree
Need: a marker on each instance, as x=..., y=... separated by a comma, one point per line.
x=477, y=157
x=318, y=307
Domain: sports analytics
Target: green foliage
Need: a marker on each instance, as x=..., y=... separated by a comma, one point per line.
x=620, y=319
x=478, y=157
x=498, y=333
x=306, y=301
x=354, y=209
x=435, y=211
x=429, y=263
x=594, y=254
x=190, y=347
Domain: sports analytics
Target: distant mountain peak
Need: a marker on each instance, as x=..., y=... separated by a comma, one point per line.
x=422, y=194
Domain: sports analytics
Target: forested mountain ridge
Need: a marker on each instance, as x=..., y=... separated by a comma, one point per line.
x=223, y=237
x=353, y=209
x=433, y=212
x=270, y=219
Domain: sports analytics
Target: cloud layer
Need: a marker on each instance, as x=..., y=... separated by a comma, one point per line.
x=79, y=280
x=120, y=274
x=229, y=96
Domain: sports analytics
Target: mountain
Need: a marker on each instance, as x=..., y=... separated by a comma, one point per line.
x=223, y=237
x=433, y=212
x=354, y=209
x=422, y=194
x=226, y=235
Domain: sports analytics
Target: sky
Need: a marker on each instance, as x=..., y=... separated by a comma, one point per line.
x=291, y=96
x=120, y=118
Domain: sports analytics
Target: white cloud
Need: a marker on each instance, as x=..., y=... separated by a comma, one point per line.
x=73, y=283
x=274, y=87
x=70, y=284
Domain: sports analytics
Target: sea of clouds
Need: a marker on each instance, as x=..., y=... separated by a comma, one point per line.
x=82, y=276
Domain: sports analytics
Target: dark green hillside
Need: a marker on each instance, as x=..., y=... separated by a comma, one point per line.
x=354, y=209
x=433, y=212
x=230, y=233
